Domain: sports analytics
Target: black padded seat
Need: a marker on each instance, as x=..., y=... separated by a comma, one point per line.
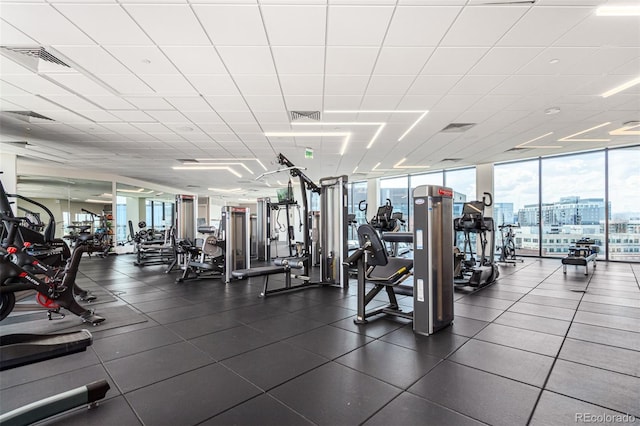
x=258, y=272
x=392, y=272
x=398, y=237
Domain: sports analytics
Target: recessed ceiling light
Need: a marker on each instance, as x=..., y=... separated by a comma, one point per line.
x=552, y=110
x=630, y=10
x=554, y=61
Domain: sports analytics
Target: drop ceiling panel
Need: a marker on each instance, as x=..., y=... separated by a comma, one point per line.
x=380, y=102
x=133, y=116
x=476, y=84
x=195, y=59
x=207, y=84
x=7, y=89
x=603, y=61
x=271, y=117
x=420, y=26
x=456, y=103
x=189, y=103
x=35, y=84
x=143, y=60
x=152, y=128
x=253, y=85
x=169, y=84
x=389, y=84
x=301, y=84
x=345, y=84
x=155, y=20
x=227, y=103
x=247, y=59
x=150, y=103
x=202, y=116
x=504, y=60
x=402, y=60
x=78, y=83
x=453, y=60
x=419, y=102
x=496, y=21
x=603, y=31
x=98, y=115
x=304, y=103
x=265, y=103
x=357, y=26
x=167, y=116
x=555, y=21
x=342, y=102
x=93, y=59
x=12, y=36
x=293, y=25
x=10, y=67
x=104, y=23
x=232, y=25
x=351, y=60
x=433, y=84
x=299, y=60
x=565, y=56
x=126, y=84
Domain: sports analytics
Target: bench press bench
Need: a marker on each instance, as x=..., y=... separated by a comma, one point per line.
x=282, y=266
x=585, y=251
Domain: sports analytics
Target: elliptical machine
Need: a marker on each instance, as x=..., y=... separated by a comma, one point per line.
x=469, y=270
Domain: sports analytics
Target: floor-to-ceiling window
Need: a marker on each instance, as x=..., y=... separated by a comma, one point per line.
x=516, y=201
x=463, y=183
x=435, y=178
x=624, y=202
x=573, y=201
x=357, y=199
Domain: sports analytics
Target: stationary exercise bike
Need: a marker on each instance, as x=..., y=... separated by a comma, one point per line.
x=508, y=244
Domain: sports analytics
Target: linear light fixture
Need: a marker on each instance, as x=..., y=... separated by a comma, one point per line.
x=623, y=86
x=375, y=136
x=233, y=159
x=400, y=162
x=522, y=145
x=225, y=190
x=412, y=126
x=222, y=164
x=345, y=143
x=384, y=111
x=399, y=166
x=629, y=10
x=347, y=136
x=348, y=123
x=570, y=137
x=626, y=131
x=91, y=200
x=229, y=169
x=354, y=170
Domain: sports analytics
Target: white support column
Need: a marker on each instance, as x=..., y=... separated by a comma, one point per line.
x=484, y=183
x=8, y=165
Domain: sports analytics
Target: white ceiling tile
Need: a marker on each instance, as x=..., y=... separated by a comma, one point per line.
x=35, y=84
x=453, y=60
x=133, y=115
x=169, y=84
x=301, y=84
x=195, y=59
x=420, y=102
x=43, y=23
x=31, y=102
x=342, y=102
x=11, y=36
x=190, y=103
x=630, y=67
x=620, y=31
x=402, y=60
x=228, y=103
x=156, y=19
x=477, y=84
x=603, y=61
x=271, y=117
x=247, y=59
x=496, y=20
x=304, y=103
x=457, y=103
x=126, y=84
x=213, y=127
x=232, y=25
x=169, y=116
x=554, y=20
x=265, y=103
x=504, y=60
x=93, y=59
x=10, y=89
x=389, y=84
x=64, y=116
x=239, y=127
x=351, y=60
x=202, y=116
x=143, y=60
x=78, y=83
x=357, y=25
x=299, y=60
x=419, y=26
x=380, y=102
x=105, y=23
x=9, y=67
x=253, y=85
x=122, y=128
x=345, y=84
x=207, y=84
x=565, y=56
x=295, y=25
x=433, y=84
x=149, y=103
x=363, y=2
x=98, y=115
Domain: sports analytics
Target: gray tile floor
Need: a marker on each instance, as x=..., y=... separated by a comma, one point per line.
x=534, y=348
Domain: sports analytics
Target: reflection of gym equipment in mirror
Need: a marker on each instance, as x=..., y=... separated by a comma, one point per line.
x=469, y=270
x=151, y=247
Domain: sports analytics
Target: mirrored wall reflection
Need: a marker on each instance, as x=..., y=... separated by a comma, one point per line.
x=144, y=208
x=72, y=204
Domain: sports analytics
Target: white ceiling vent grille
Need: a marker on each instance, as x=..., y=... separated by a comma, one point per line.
x=451, y=160
x=458, y=127
x=304, y=115
x=37, y=52
x=518, y=149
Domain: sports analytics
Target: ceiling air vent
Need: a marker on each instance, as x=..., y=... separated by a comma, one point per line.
x=518, y=149
x=508, y=2
x=451, y=160
x=193, y=186
x=304, y=115
x=187, y=160
x=37, y=52
x=28, y=115
x=458, y=127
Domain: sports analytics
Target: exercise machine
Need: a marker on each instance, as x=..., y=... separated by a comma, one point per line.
x=24, y=349
x=263, y=229
x=584, y=251
x=508, y=245
x=469, y=271
x=152, y=248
